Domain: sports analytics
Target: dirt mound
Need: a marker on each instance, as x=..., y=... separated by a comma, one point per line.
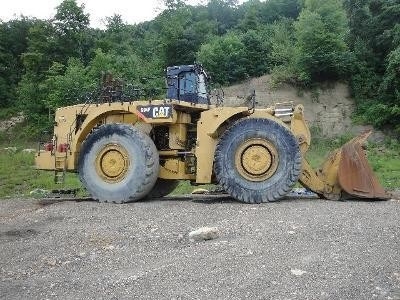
x=327, y=108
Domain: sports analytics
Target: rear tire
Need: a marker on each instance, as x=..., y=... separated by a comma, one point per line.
x=162, y=188
x=118, y=163
x=257, y=160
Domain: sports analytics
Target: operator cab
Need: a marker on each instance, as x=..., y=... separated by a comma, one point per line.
x=187, y=83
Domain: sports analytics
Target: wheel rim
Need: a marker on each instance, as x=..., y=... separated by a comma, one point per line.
x=256, y=159
x=112, y=163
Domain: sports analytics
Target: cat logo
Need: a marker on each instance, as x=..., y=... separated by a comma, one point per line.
x=155, y=111
x=161, y=112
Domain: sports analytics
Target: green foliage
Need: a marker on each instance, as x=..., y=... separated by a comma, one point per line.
x=30, y=98
x=255, y=12
x=384, y=159
x=375, y=40
x=315, y=50
x=390, y=91
x=320, y=41
x=24, y=177
x=13, y=42
x=282, y=42
x=224, y=58
x=7, y=113
x=390, y=86
x=223, y=13
x=49, y=63
x=283, y=53
x=67, y=87
x=62, y=58
x=257, y=44
x=174, y=4
x=70, y=25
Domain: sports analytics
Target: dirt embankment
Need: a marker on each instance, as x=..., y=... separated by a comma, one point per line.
x=329, y=108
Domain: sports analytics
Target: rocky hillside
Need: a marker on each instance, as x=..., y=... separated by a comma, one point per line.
x=328, y=109
x=10, y=123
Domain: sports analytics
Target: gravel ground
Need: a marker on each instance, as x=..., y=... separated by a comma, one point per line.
x=292, y=249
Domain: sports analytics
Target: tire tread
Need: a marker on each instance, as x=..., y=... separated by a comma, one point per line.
x=151, y=166
x=269, y=194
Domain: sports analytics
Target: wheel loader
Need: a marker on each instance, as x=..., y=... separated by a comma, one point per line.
x=125, y=150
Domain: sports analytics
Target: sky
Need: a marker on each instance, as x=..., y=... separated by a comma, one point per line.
x=132, y=11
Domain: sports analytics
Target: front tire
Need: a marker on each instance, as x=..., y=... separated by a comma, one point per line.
x=118, y=163
x=257, y=160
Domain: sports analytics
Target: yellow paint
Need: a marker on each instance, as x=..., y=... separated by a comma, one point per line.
x=112, y=163
x=257, y=160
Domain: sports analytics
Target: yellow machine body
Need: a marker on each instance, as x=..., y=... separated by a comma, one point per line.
x=187, y=136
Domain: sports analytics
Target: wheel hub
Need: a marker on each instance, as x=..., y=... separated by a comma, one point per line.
x=256, y=159
x=112, y=163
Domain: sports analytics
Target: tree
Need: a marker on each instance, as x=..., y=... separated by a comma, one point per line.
x=389, y=106
x=13, y=42
x=118, y=36
x=282, y=42
x=42, y=48
x=66, y=85
x=258, y=46
x=251, y=17
x=224, y=58
x=48, y=63
x=273, y=10
x=115, y=24
x=71, y=23
x=374, y=41
x=321, y=49
x=224, y=13
x=174, y=4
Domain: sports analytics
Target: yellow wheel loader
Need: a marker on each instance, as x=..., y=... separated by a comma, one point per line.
x=127, y=150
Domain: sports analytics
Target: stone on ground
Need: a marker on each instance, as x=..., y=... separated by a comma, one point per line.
x=200, y=191
x=204, y=234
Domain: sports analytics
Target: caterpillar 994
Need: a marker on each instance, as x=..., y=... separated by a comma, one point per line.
x=129, y=150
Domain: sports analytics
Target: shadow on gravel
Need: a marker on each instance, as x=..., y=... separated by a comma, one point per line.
x=18, y=234
x=216, y=199
x=363, y=200
x=204, y=199
x=196, y=198
x=50, y=201
x=225, y=198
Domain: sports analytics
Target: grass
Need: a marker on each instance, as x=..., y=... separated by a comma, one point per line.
x=7, y=112
x=18, y=175
x=385, y=161
x=384, y=158
x=185, y=187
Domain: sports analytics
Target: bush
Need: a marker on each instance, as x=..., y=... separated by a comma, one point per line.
x=224, y=58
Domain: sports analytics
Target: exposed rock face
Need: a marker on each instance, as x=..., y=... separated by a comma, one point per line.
x=328, y=108
x=29, y=150
x=7, y=124
x=11, y=149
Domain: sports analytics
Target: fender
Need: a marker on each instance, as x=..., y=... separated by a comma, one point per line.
x=211, y=126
